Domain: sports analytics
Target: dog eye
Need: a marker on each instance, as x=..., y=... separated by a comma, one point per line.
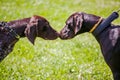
x=69, y=26
x=44, y=28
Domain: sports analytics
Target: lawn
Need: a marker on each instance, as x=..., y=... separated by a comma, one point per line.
x=79, y=58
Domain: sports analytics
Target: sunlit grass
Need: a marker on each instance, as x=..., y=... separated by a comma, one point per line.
x=76, y=59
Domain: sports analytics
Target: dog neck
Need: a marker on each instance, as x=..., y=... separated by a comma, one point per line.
x=91, y=22
x=95, y=26
x=19, y=26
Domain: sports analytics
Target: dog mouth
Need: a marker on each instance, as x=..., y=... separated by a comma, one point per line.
x=52, y=36
x=65, y=37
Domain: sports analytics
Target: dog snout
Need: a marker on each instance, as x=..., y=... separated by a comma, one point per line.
x=63, y=34
x=51, y=35
x=55, y=35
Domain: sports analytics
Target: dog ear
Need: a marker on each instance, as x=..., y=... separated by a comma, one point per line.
x=78, y=20
x=30, y=32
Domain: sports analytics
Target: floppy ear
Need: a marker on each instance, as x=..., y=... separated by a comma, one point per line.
x=78, y=20
x=30, y=32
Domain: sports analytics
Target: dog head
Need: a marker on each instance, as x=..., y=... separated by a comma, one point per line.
x=40, y=27
x=72, y=27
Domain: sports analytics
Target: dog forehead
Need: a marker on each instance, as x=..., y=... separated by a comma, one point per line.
x=69, y=20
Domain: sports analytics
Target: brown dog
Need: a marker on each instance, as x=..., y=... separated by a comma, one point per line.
x=32, y=27
x=109, y=38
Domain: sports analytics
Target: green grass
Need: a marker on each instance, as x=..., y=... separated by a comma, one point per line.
x=76, y=59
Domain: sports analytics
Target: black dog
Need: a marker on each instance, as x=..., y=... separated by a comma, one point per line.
x=32, y=27
x=109, y=38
